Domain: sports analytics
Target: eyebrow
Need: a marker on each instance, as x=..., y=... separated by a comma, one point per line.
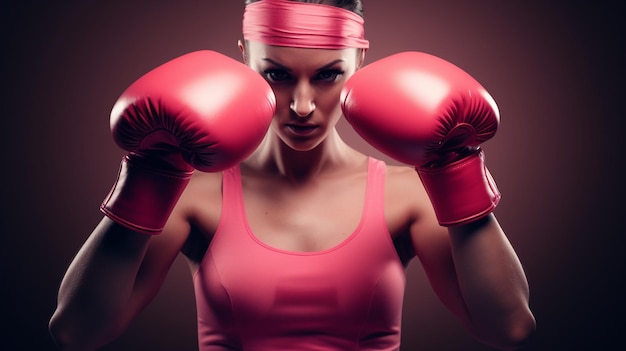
x=281, y=66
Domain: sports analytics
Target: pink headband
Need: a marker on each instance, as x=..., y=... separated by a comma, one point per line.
x=303, y=25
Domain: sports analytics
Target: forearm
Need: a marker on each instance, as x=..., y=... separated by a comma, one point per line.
x=492, y=283
x=97, y=289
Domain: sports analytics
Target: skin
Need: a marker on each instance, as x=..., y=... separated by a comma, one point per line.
x=286, y=185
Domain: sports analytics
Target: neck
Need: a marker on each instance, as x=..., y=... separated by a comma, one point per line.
x=274, y=157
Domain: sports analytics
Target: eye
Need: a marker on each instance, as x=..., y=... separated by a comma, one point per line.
x=276, y=75
x=331, y=75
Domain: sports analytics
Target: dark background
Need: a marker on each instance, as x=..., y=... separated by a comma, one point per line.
x=555, y=69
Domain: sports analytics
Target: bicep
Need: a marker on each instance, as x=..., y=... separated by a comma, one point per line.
x=160, y=255
x=113, y=276
x=432, y=245
x=427, y=240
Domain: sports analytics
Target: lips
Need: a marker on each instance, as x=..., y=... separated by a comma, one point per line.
x=300, y=129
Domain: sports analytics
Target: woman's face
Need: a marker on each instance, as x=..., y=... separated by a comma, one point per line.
x=307, y=84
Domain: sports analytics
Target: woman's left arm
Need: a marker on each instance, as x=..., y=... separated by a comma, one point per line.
x=492, y=283
x=424, y=111
x=477, y=275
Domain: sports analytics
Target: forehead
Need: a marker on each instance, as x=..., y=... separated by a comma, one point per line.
x=291, y=56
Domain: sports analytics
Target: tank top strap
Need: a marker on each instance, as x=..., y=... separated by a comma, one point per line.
x=231, y=185
x=233, y=214
x=375, y=192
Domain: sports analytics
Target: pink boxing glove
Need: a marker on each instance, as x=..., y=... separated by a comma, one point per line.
x=201, y=111
x=426, y=112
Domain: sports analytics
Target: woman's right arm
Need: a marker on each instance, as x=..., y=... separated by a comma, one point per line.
x=115, y=274
x=172, y=120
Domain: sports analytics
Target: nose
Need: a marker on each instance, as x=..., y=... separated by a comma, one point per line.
x=302, y=103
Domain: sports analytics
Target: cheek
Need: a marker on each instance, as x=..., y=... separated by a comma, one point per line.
x=283, y=99
x=328, y=100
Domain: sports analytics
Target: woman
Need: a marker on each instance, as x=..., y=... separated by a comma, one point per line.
x=302, y=245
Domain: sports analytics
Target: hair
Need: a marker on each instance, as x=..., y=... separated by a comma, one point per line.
x=355, y=6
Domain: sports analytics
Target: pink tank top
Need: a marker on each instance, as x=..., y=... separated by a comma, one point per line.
x=254, y=297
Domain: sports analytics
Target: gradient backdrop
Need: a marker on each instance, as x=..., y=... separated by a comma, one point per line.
x=556, y=71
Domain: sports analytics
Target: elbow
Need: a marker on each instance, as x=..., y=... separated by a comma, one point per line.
x=60, y=335
x=516, y=335
x=521, y=333
x=513, y=333
x=65, y=337
x=68, y=336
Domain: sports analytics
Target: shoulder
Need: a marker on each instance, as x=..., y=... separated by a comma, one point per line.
x=401, y=172
x=205, y=183
x=406, y=201
x=403, y=183
x=408, y=208
x=203, y=189
x=196, y=215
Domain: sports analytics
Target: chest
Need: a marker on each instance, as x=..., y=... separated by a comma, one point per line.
x=314, y=217
x=268, y=293
x=346, y=291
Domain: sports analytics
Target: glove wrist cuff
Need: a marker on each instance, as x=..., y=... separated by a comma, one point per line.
x=143, y=195
x=462, y=191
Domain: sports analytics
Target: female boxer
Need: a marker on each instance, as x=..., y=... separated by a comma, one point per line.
x=295, y=240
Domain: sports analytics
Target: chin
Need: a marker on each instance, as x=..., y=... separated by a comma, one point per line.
x=302, y=144
x=303, y=147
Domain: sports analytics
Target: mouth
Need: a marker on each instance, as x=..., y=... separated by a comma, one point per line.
x=299, y=129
